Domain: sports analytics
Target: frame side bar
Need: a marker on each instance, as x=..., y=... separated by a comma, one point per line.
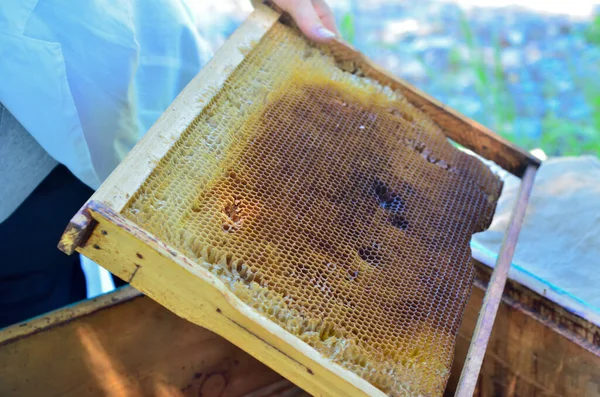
x=455, y=126
x=493, y=294
x=77, y=232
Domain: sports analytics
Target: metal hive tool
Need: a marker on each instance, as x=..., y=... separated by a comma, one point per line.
x=318, y=198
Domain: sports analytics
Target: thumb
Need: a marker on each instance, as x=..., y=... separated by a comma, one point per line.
x=306, y=17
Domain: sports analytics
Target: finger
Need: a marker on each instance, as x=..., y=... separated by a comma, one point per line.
x=307, y=19
x=326, y=15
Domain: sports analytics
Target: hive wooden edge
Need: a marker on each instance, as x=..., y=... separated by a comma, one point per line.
x=116, y=327
x=193, y=293
x=537, y=347
x=67, y=314
x=519, y=298
x=563, y=321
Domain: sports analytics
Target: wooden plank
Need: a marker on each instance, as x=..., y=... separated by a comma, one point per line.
x=493, y=295
x=135, y=168
x=283, y=388
x=76, y=233
x=567, y=323
x=536, y=347
x=64, y=315
x=190, y=291
x=124, y=344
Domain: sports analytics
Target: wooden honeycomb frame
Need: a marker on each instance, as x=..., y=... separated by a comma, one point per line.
x=99, y=232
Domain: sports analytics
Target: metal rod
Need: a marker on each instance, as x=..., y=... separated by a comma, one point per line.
x=493, y=294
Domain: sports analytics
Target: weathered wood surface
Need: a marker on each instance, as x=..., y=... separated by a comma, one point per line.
x=124, y=344
x=536, y=349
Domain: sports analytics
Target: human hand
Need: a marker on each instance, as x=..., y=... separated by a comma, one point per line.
x=313, y=17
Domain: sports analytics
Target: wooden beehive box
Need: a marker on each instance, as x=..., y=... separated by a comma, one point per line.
x=101, y=232
x=125, y=344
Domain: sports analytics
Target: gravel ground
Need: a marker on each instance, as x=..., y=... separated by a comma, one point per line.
x=522, y=72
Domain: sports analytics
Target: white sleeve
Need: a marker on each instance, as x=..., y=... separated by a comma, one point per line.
x=88, y=78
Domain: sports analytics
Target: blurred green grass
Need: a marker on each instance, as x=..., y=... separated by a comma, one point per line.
x=347, y=27
x=559, y=136
x=592, y=33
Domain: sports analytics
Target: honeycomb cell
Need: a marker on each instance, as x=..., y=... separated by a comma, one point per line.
x=330, y=205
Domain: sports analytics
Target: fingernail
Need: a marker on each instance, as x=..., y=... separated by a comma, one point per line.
x=325, y=33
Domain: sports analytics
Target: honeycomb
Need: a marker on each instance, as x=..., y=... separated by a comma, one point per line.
x=330, y=205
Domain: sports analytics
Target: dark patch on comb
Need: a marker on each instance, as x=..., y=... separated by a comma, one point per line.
x=399, y=221
x=371, y=254
x=388, y=198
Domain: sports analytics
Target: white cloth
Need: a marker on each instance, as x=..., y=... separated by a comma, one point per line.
x=558, y=252
x=87, y=78
x=97, y=279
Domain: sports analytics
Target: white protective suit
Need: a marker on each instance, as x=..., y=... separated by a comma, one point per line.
x=86, y=79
